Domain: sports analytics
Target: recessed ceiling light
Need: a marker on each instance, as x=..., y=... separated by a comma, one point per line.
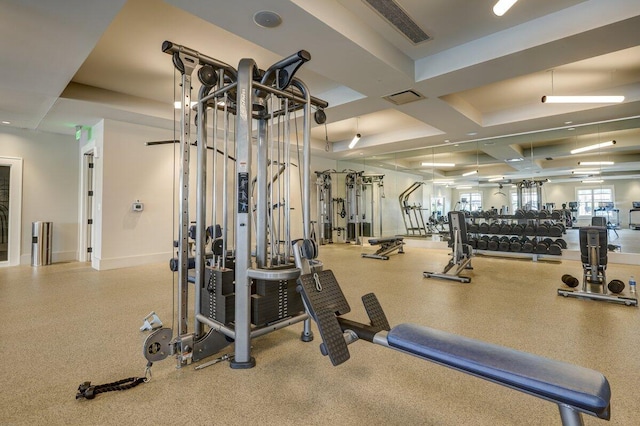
x=571, y=128
x=472, y=133
x=568, y=122
x=446, y=141
x=514, y=160
x=267, y=19
x=6, y=122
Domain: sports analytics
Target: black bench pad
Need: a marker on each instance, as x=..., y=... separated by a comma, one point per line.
x=376, y=241
x=564, y=383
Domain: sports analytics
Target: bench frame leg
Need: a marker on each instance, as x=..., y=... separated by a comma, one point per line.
x=569, y=416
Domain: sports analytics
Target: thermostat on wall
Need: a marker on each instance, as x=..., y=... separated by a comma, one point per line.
x=137, y=206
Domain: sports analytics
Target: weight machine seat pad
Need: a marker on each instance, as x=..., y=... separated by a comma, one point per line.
x=376, y=241
x=564, y=383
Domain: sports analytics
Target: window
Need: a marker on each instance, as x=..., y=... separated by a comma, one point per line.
x=471, y=201
x=514, y=201
x=593, y=198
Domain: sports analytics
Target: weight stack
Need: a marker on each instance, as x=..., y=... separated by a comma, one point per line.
x=274, y=300
x=217, y=298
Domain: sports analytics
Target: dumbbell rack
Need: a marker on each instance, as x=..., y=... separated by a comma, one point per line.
x=521, y=235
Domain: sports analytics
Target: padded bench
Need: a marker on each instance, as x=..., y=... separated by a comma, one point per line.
x=387, y=245
x=570, y=386
x=573, y=388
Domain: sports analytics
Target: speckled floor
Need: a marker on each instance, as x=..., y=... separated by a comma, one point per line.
x=63, y=324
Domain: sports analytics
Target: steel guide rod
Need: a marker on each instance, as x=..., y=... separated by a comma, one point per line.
x=183, y=254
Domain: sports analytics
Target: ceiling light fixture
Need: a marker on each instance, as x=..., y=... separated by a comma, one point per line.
x=463, y=187
x=582, y=99
x=443, y=182
x=438, y=164
x=514, y=160
x=592, y=147
x=354, y=141
x=586, y=172
x=593, y=181
x=6, y=122
x=596, y=163
x=495, y=179
x=503, y=6
x=472, y=172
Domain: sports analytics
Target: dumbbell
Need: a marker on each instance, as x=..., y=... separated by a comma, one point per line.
x=483, y=228
x=555, y=249
x=482, y=242
x=555, y=231
x=541, y=248
x=517, y=229
x=494, y=228
x=504, y=244
x=494, y=243
x=515, y=246
x=556, y=215
x=542, y=230
x=530, y=229
x=616, y=286
x=473, y=228
x=519, y=214
x=570, y=280
x=527, y=245
x=506, y=229
x=562, y=243
x=473, y=242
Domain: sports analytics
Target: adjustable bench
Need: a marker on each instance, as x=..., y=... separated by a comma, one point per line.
x=574, y=389
x=387, y=245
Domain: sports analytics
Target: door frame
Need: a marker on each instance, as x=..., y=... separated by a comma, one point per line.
x=15, y=209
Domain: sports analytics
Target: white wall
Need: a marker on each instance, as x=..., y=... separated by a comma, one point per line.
x=126, y=171
x=50, y=187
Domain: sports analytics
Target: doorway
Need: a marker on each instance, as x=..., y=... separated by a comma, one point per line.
x=10, y=210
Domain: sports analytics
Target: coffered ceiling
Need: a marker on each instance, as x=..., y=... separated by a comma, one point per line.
x=74, y=62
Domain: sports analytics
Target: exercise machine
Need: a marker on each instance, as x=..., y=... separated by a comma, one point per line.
x=634, y=215
x=354, y=213
x=412, y=213
x=593, y=254
x=461, y=250
x=529, y=194
x=574, y=389
x=387, y=246
x=238, y=295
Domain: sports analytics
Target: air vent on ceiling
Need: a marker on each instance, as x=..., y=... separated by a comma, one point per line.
x=396, y=16
x=404, y=97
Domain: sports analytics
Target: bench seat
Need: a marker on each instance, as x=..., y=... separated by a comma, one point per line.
x=566, y=384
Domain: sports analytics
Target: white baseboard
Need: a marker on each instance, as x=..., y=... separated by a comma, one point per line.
x=129, y=261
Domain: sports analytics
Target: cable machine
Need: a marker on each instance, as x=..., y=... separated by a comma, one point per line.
x=238, y=297
x=352, y=213
x=529, y=193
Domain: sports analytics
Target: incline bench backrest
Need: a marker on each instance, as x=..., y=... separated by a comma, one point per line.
x=457, y=221
x=593, y=235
